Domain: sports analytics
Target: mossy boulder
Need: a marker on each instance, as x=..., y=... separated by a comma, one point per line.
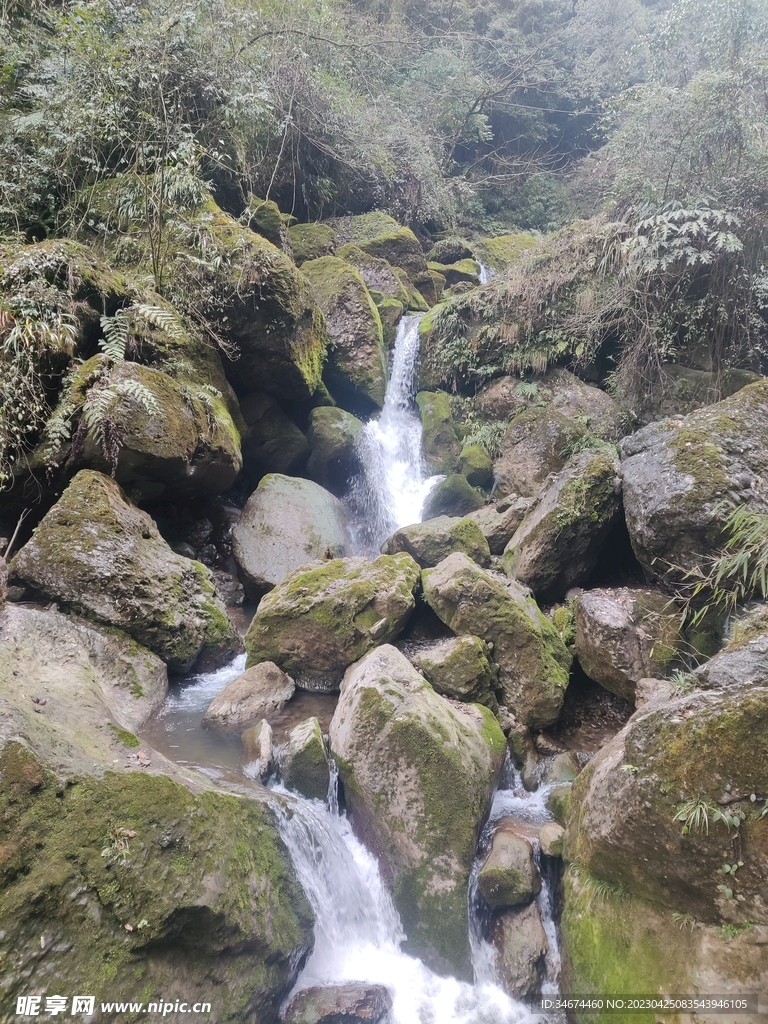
x=744, y=657
x=625, y=634
x=682, y=477
x=390, y=312
x=439, y=442
x=311, y=241
x=557, y=544
x=286, y=523
x=380, y=235
x=97, y=554
x=637, y=827
x=333, y=437
x=160, y=435
x=499, y=522
x=382, y=279
x=453, y=496
x=615, y=942
x=303, y=761
x=509, y=875
x=532, y=661
x=460, y=668
x=273, y=443
x=323, y=617
x=356, y=371
x=500, y=253
x=680, y=389
x=476, y=465
x=466, y=270
x=264, y=217
x=432, y=541
x=418, y=775
x=535, y=444
x=261, y=690
x=449, y=250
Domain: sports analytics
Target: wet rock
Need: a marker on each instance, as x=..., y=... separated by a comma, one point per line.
x=508, y=876
x=452, y=497
x=459, y=668
x=391, y=312
x=559, y=802
x=626, y=634
x=229, y=588
x=564, y=768
x=286, y=523
x=439, y=441
x=499, y=526
x=356, y=371
x=260, y=690
x=303, y=761
x=273, y=444
x=355, y=1003
x=258, y=751
x=100, y=556
x=323, y=617
x=551, y=837
x=558, y=542
x=532, y=661
x=683, y=476
x=521, y=945
x=432, y=541
x=476, y=465
x=333, y=436
x=418, y=774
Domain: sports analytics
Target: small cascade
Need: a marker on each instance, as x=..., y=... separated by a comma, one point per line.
x=485, y=273
x=358, y=933
x=546, y=901
x=393, y=485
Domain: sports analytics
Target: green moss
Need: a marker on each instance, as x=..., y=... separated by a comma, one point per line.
x=125, y=737
x=311, y=241
x=453, y=496
x=500, y=252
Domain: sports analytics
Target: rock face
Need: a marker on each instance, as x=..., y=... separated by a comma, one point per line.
x=432, y=541
x=476, y=465
x=499, y=526
x=286, y=523
x=311, y=241
x=99, y=555
x=382, y=279
x=333, y=436
x=259, y=691
x=521, y=943
x=532, y=448
x=625, y=635
x=273, y=444
x=551, y=837
x=744, y=659
x=323, y=617
x=418, y=774
x=340, y=1004
x=532, y=661
x=508, y=876
x=682, y=477
x=439, y=442
x=562, y=392
x=459, y=668
x=356, y=372
x=452, y=497
x=557, y=544
x=204, y=874
x=303, y=762
x=258, y=750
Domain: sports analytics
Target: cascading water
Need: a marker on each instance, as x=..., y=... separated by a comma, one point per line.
x=393, y=485
x=485, y=274
x=358, y=932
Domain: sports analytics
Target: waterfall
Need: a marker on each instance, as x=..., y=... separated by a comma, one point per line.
x=393, y=485
x=358, y=933
x=485, y=273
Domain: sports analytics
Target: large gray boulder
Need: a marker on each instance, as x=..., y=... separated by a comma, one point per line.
x=557, y=544
x=432, y=541
x=418, y=775
x=626, y=634
x=534, y=445
x=521, y=947
x=98, y=555
x=499, y=522
x=324, y=616
x=333, y=438
x=509, y=875
x=286, y=523
x=532, y=661
x=460, y=668
x=353, y=1003
x=682, y=477
x=259, y=691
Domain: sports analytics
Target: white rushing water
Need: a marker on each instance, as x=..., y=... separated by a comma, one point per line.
x=485, y=273
x=391, y=490
x=358, y=933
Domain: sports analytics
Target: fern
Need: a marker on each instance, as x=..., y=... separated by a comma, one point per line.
x=96, y=410
x=139, y=392
x=164, y=319
x=116, y=334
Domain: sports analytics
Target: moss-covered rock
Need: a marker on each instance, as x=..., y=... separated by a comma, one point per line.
x=624, y=635
x=499, y=522
x=680, y=390
x=99, y=555
x=531, y=659
x=273, y=443
x=418, y=775
x=508, y=876
x=460, y=668
x=439, y=442
x=333, y=437
x=432, y=541
x=311, y=241
x=557, y=544
x=286, y=523
x=683, y=477
x=476, y=465
x=450, y=250
x=500, y=252
x=535, y=444
x=390, y=312
x=466, y=270
x=453, y=496
x=303, y=761
x=323, y=617
x=380, y=235
x=382, y=279
x=264, y=217
x=356, y=372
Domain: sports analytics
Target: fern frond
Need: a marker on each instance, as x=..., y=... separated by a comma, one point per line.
x=116, y=333
x=164, y=319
